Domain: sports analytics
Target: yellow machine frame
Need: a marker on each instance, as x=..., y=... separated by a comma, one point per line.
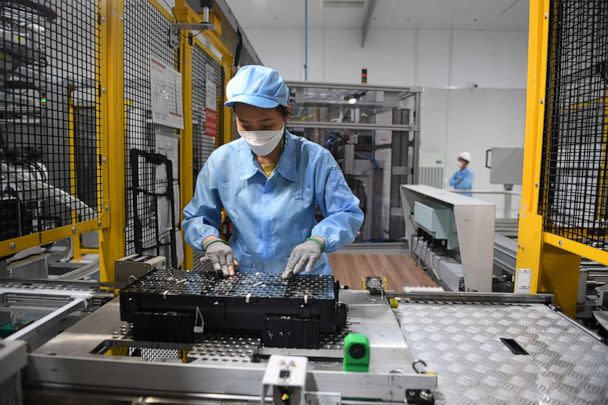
x=185, y=14
x=111, y=222
x=12, y=246
x=553, y=260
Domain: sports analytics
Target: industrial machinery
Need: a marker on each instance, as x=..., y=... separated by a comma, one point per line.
x=166, y=305
x=600, y=310
x=34, y=89
x=373, y=132
x=484, y=347
x=505, y=165
x=132, y=267
x=564, y=208
x=84, y=156
x=50, y=166
x=100, y=359
x=452, y=235
x=286, y=377
x=35, y=311
x=447, y=347
x=13, y=357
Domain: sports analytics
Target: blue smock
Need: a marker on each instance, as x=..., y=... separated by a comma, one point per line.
x=271, y=215
x=463, y=180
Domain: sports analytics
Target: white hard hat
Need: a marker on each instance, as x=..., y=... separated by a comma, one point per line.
x=465, y=156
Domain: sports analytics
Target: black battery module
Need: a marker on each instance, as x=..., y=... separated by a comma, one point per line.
x=284, y=313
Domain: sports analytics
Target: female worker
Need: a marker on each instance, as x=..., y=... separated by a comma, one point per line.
x=270, y=183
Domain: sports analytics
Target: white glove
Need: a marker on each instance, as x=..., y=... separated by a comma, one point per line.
x=303, y=257
x=220, y=256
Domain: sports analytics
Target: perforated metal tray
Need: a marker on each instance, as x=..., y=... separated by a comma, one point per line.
x=258, y=285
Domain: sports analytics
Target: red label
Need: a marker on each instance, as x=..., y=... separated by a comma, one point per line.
x=210, y=122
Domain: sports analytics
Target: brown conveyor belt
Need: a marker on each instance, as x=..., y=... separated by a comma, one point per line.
x=399, y=270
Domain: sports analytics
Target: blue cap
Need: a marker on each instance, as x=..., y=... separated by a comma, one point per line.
x=259, y=86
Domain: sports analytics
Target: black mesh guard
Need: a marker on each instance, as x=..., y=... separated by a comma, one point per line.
x=574, y=178
x=50, y=128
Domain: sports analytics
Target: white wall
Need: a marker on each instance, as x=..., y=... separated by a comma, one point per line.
x=472, y=120
x=398, y=57
x=474, y=81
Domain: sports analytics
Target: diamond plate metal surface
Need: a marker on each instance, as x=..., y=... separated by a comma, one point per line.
x=460, y=342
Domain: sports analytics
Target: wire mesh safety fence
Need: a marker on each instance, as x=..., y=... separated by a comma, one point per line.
x=574, y=186
x=151, y=149
x=50, y=144
x=207, y=78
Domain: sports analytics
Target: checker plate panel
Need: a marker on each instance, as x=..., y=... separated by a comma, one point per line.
x=460, y=342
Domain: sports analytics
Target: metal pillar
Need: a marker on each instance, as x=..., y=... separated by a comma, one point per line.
x=112, y=239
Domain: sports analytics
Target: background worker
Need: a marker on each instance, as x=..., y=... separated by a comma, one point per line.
x=270, y=183
x=463, y=178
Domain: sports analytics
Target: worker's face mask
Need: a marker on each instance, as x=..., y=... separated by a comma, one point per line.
x=262, y=143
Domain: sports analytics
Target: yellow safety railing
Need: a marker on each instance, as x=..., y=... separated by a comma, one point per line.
x=553, y=261
x=186, y=183
x=185, y=14
x=112, y=239
x=76, y=227
x=111, y=122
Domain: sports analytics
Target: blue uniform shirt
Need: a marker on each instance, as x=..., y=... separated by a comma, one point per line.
x=271, y=215
x=463, y=180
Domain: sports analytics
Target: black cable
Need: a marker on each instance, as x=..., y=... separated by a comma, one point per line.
x=179, y=32
x=239, y=46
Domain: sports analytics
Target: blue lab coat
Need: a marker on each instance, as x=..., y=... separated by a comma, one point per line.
x=271, y=215
x=463, y=180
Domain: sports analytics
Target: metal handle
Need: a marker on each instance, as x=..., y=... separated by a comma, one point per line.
x=488, y=151
x=415, y=365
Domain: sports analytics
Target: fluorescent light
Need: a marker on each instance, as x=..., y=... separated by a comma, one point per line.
x=342, y=3
x=352, y=100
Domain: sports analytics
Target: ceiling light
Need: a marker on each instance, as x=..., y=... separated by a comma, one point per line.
x=352, y=100
x=342, y=3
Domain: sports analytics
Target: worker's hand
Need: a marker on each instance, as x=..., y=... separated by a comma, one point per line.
x=303, y=257
x=220, y=255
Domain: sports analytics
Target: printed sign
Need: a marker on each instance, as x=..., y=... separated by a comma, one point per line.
x=210, y=122
x=166, y=93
